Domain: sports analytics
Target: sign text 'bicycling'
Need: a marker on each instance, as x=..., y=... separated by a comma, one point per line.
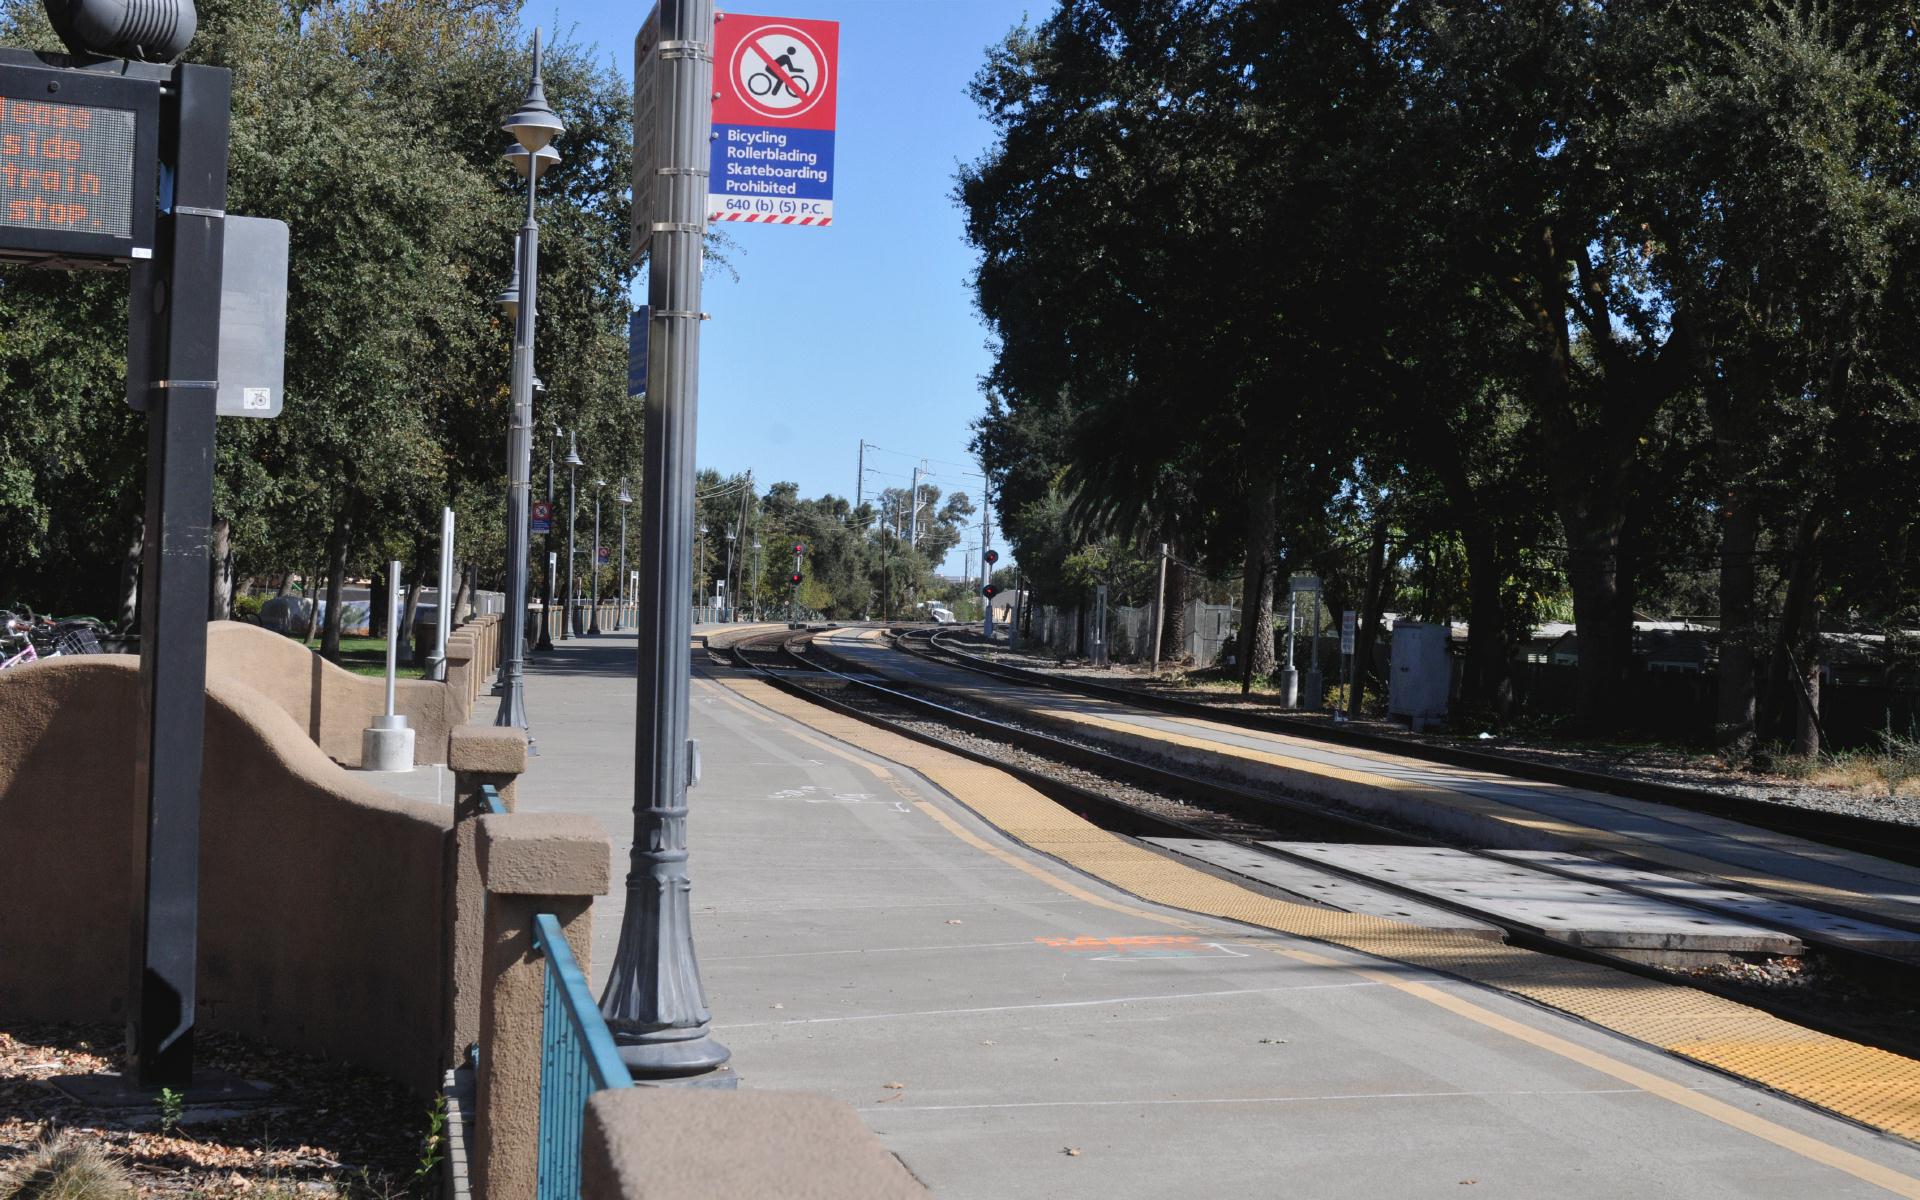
x=776, y=85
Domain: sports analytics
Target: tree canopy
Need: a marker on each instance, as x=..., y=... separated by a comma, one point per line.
x=1506, y=312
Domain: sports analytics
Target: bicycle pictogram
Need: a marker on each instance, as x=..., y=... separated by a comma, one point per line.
x=790, y=76
x=779, y=71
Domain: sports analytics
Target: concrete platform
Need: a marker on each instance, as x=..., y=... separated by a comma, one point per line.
x=1322, y=887
x=1593, y=915
x=1012, y=1028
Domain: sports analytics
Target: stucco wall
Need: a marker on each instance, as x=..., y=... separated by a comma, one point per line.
x=333, y=705
x=322, y=897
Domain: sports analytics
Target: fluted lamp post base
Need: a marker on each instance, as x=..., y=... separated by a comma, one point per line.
x=654, y=1003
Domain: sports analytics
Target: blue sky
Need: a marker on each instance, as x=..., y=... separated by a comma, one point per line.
x=864, y=330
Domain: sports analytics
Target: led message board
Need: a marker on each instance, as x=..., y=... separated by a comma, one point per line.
x=77, y=167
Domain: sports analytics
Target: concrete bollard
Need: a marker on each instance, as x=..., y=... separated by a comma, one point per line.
x=531, y=863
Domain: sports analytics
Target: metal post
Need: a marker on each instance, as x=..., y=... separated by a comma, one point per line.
x=593, y=563
x=1289, y=676
x=393, y=631
x=620, y=610
x=443, y=608
x=572, y=621
x=1099, y=655
x=1315, y=683
x=654, y=1002
x=174, y=328
x=1159, y=608
x=1016, y=612
x=546, y=607
x=986, y=545
x=513, y=708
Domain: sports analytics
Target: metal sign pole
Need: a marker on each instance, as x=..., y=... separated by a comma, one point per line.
x=443, y=609
x=393, y=630
x=175, y=350
x=654, y=1002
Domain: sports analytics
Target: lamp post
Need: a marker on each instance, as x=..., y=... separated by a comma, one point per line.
x=620, y=610
x=533, y=126
x=654, y=1002
x=573, y=464
x=546, y=606
x=593, y=562
x=730, y=583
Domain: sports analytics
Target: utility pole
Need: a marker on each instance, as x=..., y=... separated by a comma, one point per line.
x=654, y=1002
x=913, y=514
x=860, y=483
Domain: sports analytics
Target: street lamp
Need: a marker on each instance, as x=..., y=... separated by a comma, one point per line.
x=546, y=608
x=573, y=464
x=533, y=126
x=620, y=610
x=593, y=562
x=730, y=583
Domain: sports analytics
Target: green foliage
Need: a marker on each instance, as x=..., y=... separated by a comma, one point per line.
x=1504, y=312
x=372, y=130
x=433, y=1143
x=169, y=1106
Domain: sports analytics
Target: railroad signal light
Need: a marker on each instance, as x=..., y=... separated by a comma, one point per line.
x=990, y=591
x=992, y=557
x=799, y=547
x=796, y=579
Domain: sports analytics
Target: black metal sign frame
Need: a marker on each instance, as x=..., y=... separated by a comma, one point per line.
x=37, y=81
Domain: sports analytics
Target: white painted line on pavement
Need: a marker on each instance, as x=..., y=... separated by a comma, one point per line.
x=960, y=1012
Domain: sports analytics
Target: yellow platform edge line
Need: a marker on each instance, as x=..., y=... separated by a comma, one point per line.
x=1861, y=1083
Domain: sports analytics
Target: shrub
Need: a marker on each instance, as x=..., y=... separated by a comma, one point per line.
x=65, y=1168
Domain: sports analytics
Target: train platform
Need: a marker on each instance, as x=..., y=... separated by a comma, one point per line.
x=1485, y=808
x=1013, y=1026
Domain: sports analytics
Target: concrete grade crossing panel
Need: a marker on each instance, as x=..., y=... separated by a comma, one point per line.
x=1566, y=910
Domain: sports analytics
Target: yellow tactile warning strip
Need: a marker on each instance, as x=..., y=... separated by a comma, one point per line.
x=1871, y=1086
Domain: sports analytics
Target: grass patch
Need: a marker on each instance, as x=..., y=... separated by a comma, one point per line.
x=368, y=656
x=65, y=1168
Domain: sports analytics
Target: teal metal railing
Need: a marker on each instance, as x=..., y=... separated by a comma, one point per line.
x=577, y=1054
x=577, y=1059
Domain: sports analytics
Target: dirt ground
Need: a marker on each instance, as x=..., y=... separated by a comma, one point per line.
x=325, y=1130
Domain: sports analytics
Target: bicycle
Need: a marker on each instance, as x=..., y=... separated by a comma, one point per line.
x=764, y=83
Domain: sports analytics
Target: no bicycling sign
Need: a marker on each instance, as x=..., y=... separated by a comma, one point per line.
x=775, y=83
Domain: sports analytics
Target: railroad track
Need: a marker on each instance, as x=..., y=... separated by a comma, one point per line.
x=1247, y=818
x=1892, y=840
